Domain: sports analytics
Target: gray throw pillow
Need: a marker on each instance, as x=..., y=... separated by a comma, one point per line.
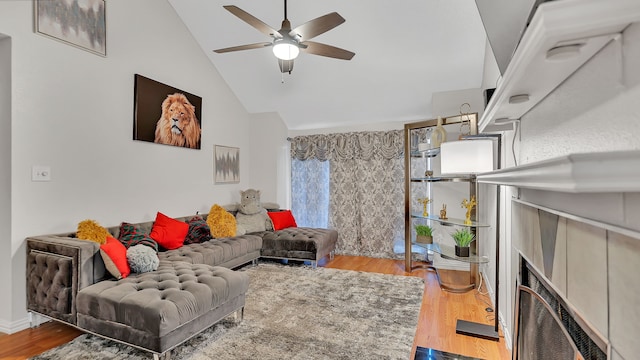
x=142, y=258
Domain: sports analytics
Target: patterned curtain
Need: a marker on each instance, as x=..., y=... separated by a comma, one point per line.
x=366, y=187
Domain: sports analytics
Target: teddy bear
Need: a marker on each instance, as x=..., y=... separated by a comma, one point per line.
x=251, y=214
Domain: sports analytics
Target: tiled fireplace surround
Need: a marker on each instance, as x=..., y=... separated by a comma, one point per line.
x=592, y=265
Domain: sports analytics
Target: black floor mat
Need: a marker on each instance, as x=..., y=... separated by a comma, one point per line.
x=432, y=354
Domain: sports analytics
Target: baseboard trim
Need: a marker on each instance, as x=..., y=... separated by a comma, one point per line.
x=9, y=327
x=506, y=331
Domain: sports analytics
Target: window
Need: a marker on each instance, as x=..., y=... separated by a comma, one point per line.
x=310, y=192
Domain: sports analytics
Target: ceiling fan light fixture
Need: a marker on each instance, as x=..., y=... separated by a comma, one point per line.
x=285, y=50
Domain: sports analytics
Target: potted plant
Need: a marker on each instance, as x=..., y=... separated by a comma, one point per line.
x=424, y=234
x=463, y=238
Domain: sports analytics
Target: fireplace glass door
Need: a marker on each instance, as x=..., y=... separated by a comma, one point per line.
x=539, y=332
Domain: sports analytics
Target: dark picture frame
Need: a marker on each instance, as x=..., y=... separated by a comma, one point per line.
x=226, y=164
x=80, y=23
x=166, y=115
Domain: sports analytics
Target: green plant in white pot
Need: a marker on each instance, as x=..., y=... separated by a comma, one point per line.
x=424, y=234
x=463, y=238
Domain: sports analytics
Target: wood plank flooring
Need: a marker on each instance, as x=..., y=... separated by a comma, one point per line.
x=440, y=309
x=30, y=342
x=436, y=325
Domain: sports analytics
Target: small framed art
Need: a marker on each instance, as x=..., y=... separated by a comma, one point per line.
x=226, y=164
x=80, y=23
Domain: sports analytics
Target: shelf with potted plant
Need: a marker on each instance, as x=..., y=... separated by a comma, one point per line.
x=457, y=178
x=463, y=238
x=424, y=234
x=424, y=181
x=448, y=221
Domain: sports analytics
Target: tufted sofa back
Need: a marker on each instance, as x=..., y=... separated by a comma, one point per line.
x=60, y=265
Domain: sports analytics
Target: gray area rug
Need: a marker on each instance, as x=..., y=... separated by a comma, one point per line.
x=295, y=312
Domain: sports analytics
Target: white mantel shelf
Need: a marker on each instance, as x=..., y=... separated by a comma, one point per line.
x=606, y=172
x=591, y=23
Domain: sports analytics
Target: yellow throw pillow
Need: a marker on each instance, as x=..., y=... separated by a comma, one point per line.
x=92, y=231
x=221, y=222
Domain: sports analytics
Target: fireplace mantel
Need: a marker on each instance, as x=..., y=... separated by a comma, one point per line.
x=604, y=172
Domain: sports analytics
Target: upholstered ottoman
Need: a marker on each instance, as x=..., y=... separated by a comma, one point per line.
x=158, y=310
x=299, y=243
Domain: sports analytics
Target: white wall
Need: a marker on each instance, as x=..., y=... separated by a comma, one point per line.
x=593, y=111
x=5, y=173
x=268, y=135
x=449, y=103
x=386, y=126
x=491, y=72
x=73, y=110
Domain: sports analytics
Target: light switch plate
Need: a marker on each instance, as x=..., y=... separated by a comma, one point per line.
x=40, y=173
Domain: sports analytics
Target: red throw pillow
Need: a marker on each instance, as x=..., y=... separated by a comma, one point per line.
x=167, y=232
x=282, y=219
x=114, y=255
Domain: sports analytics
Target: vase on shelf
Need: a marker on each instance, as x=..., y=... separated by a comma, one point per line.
x=462, y=251
x=424, y=234
x=463, y=238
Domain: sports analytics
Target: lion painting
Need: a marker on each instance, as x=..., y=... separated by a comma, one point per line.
x=178, y=124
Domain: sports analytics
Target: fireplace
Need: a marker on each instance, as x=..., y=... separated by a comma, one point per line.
x=546, y=327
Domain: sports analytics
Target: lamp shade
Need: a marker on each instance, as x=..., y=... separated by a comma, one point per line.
x=284, y=50
x=466, y=157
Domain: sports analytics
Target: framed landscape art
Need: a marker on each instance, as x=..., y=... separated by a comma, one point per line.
x=81, y=23
x=166, y=115
x=226, y=164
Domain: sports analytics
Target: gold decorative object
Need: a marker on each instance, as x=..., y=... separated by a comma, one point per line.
x=443, y=212
x=469, y=204
x=424, y=201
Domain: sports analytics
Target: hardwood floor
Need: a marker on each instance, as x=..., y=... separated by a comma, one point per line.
x=30, y=342
x=440, y=309
x=436, y=325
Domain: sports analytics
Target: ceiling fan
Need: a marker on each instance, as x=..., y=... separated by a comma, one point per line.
x=287, y=43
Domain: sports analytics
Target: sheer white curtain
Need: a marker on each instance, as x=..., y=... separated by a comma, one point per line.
x=310, y=192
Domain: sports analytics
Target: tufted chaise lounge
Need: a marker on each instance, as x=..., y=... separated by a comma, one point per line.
x=158, y=310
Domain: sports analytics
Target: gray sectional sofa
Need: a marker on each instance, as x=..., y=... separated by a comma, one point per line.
x=193, y=288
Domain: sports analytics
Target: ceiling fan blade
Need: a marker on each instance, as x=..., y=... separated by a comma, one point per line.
x=317, y=26
x=285, y=65
x=243, y=47
x=253, y=21
x=326, y=50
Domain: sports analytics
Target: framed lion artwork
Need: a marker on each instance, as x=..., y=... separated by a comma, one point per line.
x=165, y=115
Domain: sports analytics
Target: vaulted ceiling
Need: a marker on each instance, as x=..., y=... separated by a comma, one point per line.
x=405, y=51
